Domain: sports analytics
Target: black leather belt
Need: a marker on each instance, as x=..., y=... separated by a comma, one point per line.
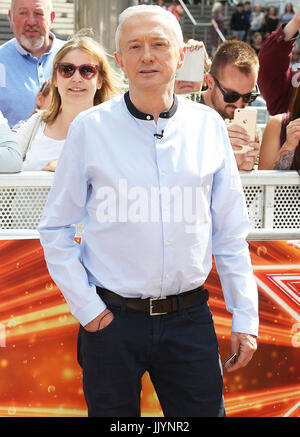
x=156, y=306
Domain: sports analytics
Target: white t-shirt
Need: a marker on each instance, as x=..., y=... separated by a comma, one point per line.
x=43, y=150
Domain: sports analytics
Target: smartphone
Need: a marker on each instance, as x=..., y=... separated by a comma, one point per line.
x=192, y=69
x=246, y=118
x=230, y=360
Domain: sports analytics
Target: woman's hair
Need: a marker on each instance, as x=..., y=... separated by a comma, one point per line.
x=294, y=113
x=216, y=7
x=289, y=6
x=111, y=83
x=274, y=9
x=256, y=34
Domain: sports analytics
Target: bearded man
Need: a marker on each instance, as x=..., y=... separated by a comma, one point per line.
x=26, y=60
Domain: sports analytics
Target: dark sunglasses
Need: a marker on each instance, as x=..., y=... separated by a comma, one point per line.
x=233, y=96
x=66, y=70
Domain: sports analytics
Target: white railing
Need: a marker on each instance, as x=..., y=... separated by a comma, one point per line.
x=273, y=201
x=272, y=197
x=204, y=25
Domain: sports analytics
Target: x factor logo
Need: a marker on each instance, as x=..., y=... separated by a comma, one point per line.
x=281, y=284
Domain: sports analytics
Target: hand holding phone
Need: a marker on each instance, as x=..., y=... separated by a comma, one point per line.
x=231, y=360
x=246, y=118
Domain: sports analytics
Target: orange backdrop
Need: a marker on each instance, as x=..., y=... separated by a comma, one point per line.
x=39, y=372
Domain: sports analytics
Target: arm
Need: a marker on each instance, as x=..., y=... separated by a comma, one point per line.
x=10, y=156
x=238, y=137
x=292, y=26
x=230, y=249
x=285, y=157
x=65, y=206
x=274, y=78
x=272, y=155
x=270, y=145
x=26, y=132
x=214, y=23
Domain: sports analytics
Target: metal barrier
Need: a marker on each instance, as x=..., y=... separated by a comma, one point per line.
x=272, y=198
x=198, y=24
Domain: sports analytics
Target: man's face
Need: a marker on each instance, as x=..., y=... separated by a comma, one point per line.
x=149, y=54
x=231, y=79
x=30, y=21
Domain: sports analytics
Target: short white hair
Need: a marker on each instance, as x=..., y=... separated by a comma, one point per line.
x=149, y=9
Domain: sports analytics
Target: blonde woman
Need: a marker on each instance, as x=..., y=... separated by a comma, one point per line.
x=217, y=21
x=81, y=78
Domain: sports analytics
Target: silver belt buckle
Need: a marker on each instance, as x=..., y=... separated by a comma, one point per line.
x=151, y=305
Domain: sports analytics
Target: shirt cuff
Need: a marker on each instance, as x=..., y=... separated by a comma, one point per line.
x=244, y=324
x=90, y=311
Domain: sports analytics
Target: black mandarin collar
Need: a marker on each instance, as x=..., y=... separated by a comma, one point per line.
x=143, y=116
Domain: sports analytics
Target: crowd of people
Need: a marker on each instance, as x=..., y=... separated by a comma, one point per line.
x=63, y=111
x=247, y=20
x=250, y=23
x=41, y=97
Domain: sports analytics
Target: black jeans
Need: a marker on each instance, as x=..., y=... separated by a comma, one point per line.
x=179, y=350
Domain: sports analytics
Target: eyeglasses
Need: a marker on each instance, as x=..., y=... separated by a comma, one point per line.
x=233, y=96
x=87, y=71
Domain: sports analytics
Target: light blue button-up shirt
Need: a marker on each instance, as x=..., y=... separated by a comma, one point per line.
x=155, y=209
x=21, y=77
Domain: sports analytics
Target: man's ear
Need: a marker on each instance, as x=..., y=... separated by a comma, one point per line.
x=10, y=18
x=39, y=100
x=209, y=81
x=52, y=16
x=118, y=58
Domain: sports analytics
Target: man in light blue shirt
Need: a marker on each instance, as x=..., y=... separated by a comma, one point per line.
x=26, y=60
x=154, y=179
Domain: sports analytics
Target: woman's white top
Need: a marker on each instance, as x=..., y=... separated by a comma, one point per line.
x=37, y=148
x=43, y=150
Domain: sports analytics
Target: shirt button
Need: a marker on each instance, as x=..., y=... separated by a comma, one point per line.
x=168, y=243
x=148, y=117
x=163, y=173
x=167, y=275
